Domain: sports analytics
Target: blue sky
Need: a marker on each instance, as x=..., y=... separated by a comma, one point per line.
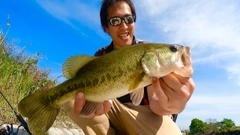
x=60, y=29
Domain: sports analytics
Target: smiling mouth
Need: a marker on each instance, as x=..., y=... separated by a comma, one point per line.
x=123, y=35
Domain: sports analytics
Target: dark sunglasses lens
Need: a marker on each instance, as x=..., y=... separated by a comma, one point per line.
x=129, y=19
x=115, y=21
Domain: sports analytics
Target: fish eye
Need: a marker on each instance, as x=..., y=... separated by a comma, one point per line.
x=173, y=48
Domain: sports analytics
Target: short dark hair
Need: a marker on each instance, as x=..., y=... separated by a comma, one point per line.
x=108, y=3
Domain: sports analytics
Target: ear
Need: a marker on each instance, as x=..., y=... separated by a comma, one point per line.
x=106, y=29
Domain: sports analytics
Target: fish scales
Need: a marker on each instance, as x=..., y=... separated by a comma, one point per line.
x=105, y=72
x=102, y=78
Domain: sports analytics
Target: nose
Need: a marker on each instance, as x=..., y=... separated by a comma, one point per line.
x=123, y=24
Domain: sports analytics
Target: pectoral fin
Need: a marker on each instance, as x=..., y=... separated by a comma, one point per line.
x=137, y=96
x=74, y=63
x=89, y=108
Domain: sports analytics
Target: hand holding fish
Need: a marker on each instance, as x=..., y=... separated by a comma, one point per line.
x=79, y=102
x=169, y=94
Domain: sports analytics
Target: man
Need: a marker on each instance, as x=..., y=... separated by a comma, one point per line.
x=167, y=95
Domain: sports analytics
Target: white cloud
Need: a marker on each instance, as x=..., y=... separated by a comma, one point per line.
x=234, y=70
x=73, y=12
x=219, y=103
x=205, y=23
x=214, y=99
x=213, y=106
x=210, y=28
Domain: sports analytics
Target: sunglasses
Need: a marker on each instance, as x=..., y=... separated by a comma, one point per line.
x=116, y=21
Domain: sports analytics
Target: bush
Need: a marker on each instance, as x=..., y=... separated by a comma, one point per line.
x=19, y=76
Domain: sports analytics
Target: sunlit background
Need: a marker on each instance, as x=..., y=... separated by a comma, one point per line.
x=59, y=29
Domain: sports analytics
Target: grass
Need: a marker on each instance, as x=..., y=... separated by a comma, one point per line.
x=20, y=75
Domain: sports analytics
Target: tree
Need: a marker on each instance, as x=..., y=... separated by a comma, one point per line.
x=197, y=126
x=226, y=124
x=211, y=125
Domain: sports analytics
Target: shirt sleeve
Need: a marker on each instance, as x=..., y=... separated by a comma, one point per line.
x=100, y=52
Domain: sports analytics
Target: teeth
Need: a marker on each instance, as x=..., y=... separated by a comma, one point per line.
x=123, y=35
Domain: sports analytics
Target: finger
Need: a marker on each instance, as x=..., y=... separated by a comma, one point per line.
x=91, y=115
x=107, y=105
x=182, y=79
x=100, y=110
x=183, y=82
x=79, y=103
x=158, y=89
x=104, y=108
x=177, y=86
x=172, y=82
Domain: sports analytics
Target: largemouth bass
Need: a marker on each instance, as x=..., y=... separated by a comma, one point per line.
x=122, y=71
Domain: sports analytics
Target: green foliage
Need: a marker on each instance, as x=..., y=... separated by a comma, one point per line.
x=226, y=125
x=197, y=126
x=19, y=76
x=213, y=127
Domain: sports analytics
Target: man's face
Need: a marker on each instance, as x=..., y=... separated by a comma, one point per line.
x=121, y=35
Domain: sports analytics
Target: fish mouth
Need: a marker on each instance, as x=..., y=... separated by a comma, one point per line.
x=186, y=56
x=186, y=69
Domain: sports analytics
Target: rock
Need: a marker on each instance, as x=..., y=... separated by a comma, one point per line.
x=51, y=131
x=64, y=131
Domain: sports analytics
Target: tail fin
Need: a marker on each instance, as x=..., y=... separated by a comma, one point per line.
x=40, y=113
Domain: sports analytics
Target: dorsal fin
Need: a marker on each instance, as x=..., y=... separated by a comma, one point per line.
x=74, y=63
